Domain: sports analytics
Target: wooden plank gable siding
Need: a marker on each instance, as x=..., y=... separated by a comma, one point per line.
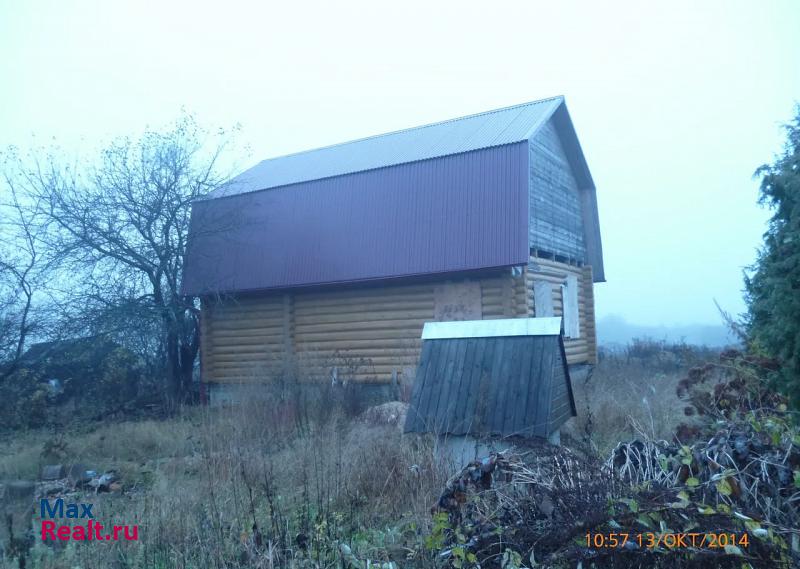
x=556, y=213
x=365, y=333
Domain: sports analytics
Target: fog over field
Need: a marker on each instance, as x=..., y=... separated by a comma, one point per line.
x=242, y=331
x=675, y=104
x=615, y=331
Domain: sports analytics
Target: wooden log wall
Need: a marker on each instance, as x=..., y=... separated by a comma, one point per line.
x=243, y=339
x=584, y=348
x=503, y=297
x=365, y=334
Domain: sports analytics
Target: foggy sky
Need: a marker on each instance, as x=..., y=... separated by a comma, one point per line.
x=675, y=105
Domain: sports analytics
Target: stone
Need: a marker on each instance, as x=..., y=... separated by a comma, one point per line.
x=51, y=488
x=392, y=413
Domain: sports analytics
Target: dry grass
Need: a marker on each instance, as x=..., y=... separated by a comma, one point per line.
x=237, y=487
x=110, y=445
x=20, y=457
x=626, y=397
x=265, y=485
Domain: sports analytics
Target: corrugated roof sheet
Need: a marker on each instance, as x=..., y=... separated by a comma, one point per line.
x=474, y=132
x=457, y=213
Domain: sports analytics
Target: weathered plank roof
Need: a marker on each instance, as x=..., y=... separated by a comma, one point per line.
x=492, y=382
x=474, y=132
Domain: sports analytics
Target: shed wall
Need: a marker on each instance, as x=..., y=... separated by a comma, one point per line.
x=560, y=405
x=486, y=386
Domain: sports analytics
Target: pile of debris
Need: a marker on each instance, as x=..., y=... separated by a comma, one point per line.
x=725, y=493
x=746, y=465
x=19, y=500
x=59, y=481
x=553, y=508
x=740, y=454
x=527, y=506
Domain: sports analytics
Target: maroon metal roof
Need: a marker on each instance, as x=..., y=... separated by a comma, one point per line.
x=454, y=213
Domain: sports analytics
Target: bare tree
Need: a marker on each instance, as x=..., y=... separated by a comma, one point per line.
x=24, y=266
x=121, y=227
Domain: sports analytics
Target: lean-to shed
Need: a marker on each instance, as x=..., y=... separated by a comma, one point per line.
x=330, y=261
x=492, y=378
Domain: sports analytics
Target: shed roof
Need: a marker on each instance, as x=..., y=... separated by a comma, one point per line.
x=507, y=379
x=473, y=132
x=67, y=350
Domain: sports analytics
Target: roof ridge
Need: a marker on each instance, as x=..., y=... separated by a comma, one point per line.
x=428, y=125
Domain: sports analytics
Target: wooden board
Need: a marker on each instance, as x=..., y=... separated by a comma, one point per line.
x=543, y=298
x=569, y=300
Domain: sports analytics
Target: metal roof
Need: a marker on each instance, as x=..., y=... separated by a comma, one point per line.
x=492, y=328
x=443, y=198
x=474, y=132
x=458, y=213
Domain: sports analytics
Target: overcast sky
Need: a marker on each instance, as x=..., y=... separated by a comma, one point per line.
x=675, y=105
